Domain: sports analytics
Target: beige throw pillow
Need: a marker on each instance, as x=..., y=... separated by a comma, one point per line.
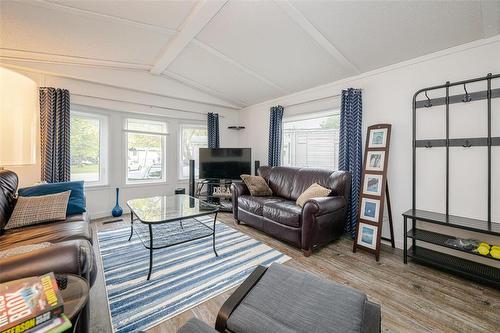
x=257, y=186
x=313, y=191
x=39, y=209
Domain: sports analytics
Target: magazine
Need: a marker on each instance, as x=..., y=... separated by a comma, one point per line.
x=28, y=303
x=57, y=325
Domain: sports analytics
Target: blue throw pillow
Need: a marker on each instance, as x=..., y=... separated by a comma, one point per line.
x=76, y=203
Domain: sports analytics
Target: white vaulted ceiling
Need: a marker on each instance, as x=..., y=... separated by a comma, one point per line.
x=231, y=53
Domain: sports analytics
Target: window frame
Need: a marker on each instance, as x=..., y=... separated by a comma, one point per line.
x=179, y=145
x=306, y=117
x=163, y=136
x=103, y=145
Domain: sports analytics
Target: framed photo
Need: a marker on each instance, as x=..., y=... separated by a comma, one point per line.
x=378, y=138
x=375, y=161
x=370, y=209
x=372, y=184
x=367, y=236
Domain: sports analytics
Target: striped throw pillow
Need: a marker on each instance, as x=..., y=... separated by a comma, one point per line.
x=34, y=210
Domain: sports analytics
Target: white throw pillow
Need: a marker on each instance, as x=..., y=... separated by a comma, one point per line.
x=313, y=191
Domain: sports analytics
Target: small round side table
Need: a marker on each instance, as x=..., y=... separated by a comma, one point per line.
x=75, y=295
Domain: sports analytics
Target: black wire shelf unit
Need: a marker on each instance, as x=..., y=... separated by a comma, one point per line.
x=455, y=264
x=205, y=191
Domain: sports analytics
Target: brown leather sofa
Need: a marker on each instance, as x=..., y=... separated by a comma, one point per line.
x=320, y=221
x=71, y=249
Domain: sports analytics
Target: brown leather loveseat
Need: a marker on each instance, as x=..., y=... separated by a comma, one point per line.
x=70, y=250
x=320, y=221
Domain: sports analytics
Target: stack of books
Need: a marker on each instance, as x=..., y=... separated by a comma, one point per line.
x=32, y=305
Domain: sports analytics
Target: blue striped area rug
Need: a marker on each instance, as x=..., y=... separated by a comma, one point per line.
x=184, y=275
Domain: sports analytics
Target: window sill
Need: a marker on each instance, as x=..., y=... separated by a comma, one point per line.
x=96, y=187
x=145, y=183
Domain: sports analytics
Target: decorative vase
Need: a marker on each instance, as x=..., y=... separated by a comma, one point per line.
x=117, y=210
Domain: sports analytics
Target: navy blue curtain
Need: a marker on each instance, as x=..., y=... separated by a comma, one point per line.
x=213, y=130
x=55, y=134
x=275, y=135
x=350, y=150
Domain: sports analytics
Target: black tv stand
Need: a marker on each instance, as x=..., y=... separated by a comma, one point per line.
x=205, y=191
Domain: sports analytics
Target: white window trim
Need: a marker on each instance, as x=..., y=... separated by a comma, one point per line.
x=179, y=145
x=126, y=131
x=103, y=147
x=309, y=116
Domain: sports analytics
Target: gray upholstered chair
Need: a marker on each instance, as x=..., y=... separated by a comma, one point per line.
x=281, y=299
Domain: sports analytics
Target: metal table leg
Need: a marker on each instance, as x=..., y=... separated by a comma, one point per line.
x=213, y=235
x=150, y=250
x=131, y=225
x=405, y=245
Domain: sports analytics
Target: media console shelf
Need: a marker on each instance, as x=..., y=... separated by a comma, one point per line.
x=457, y=265
x=471, y=269
x=205, y=188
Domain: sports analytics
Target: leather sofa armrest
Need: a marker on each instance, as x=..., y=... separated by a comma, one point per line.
x=237, y=189
x=75, y=257
x=323, y=205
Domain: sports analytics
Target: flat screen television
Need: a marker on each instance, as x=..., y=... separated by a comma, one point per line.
x=225, y=163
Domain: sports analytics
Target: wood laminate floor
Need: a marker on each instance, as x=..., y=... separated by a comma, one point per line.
x=414, y=298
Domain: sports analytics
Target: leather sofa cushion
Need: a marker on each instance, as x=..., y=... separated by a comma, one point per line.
x=285, y=212
x=255, y=205
x=53, y=232
x=74, y=256
x=306, y=177
x=281, y=181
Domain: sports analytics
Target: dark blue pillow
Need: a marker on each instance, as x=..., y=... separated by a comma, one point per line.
x=76, y=203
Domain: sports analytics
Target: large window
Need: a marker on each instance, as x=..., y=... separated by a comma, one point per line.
x=192, y=138
x=145, y=142
x=312, y=142
x=88, y=148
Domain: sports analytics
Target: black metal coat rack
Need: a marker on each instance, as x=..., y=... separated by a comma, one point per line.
x=470, y=269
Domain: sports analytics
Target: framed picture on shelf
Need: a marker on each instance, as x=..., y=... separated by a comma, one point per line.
x=378, y=138
x=375, y=161
x=370, y=209
x=367, y=236
x=372, y=184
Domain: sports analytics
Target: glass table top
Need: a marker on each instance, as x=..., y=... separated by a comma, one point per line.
x=162, y=209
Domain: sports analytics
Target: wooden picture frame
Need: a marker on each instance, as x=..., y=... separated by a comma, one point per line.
x=372, y=184
x=374, y=191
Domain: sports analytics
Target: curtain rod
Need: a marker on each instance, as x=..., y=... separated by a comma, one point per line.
x=313, y=100
x=143, y=104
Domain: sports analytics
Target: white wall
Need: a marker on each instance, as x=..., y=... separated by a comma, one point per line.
x=387, y=96
x=118, y=104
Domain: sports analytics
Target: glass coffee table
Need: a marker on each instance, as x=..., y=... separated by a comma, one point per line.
x=166, y=221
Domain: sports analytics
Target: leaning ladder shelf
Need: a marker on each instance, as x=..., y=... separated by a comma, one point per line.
x=454, y=264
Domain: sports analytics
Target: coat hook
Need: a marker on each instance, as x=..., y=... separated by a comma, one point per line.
x=428, y=144
x=467, y=144
x=428, y=104
x=467, y=97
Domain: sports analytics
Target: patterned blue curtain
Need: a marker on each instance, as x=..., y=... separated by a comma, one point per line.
x=275, y=135
x=213, y=130
x=350, y=154
x=55, y=134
